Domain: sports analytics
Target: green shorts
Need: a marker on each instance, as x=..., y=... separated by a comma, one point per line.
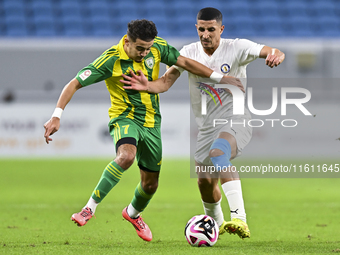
x=148, y=142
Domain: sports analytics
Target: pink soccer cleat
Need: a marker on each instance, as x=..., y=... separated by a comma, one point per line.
x=82, y=217
x=141, y=227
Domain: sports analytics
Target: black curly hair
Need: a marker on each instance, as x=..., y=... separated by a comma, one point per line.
x=143, y=29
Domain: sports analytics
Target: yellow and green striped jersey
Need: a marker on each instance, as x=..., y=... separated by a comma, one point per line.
x=142, y=107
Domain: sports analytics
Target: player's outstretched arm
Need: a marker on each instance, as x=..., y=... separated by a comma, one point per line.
x=53, y=124
x=232, y=81
x=194, y=67
x=199, y=69
x=273, y=56
x=140, y=82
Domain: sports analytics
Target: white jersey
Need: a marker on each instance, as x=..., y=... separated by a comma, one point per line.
x=230, y=58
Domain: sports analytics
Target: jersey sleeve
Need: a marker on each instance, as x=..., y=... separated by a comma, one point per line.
x=169, y=54
x=247, y=51
x=99, y=70
x=183, y=53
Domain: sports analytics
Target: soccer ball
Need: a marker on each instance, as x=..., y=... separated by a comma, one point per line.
x=201, y=230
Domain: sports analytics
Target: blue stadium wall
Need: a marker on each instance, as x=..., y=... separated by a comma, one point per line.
x=106, y=18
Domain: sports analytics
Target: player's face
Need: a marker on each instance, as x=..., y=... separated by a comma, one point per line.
x=209, y=32
x=137, y=50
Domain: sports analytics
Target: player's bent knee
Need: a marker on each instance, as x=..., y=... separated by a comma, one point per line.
x=219, y=147
x=206, y=183
x=215, y=153
x=220, y=153
x=150, y=187
x=125, y=159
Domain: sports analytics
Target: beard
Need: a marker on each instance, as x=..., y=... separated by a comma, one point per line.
x=206, y=44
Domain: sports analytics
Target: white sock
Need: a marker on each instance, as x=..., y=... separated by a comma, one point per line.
x=92, y=204
x=233, y=192
x=132, y=212
x=214, y=210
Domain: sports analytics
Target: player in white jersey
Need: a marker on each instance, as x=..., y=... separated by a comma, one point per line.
x=216, y=144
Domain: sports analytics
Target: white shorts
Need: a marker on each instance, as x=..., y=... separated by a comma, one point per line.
x=206, y=137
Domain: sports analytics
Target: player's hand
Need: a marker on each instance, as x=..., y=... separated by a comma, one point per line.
x=51, y=127
x=275, y=58
x=232, y=81
x=137, y=82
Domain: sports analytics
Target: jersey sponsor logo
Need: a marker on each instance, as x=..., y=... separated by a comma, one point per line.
x=208, y=90
x=150, y=62
x=84, y=75
x=225, y=68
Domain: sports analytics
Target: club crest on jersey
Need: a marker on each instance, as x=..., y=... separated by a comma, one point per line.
x=225, y=68
x=84, y=75
x=150, y=62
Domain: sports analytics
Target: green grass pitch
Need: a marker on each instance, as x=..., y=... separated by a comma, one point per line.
x=38, y=197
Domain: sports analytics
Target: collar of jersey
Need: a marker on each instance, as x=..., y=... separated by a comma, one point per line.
x=213, y=56
x=121, y=50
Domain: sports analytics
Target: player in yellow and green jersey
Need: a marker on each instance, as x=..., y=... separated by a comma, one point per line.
x=140, y=107
x=135, y=118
